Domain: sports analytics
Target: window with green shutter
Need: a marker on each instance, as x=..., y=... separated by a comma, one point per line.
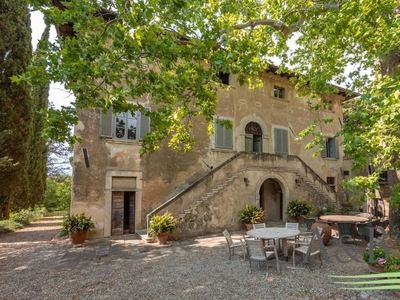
x=281, y=141
x=330, y=149
x=223, y=137
x=124, y=126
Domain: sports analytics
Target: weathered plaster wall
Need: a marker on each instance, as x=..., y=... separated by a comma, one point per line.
x=165, y=171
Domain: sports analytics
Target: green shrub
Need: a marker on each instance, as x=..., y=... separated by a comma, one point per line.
x=9, y=226
x=330, y=209
x=298, y=208
x=162, y=223
x=22, y=219
x=251, y=215
x=77, y=223
x=26, y=216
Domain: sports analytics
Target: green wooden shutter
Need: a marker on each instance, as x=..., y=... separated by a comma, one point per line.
x=144, y=124
x=285, y=142
x=248, y=146
x=324, y=152
x=277, y=140
x=106, y=121
x=223, y=137
x=219, y=136
x=281, y=141
x=334, y=149
x=228, y=139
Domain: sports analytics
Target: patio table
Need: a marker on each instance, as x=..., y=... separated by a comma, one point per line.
x=342, y=218
x=274, y=233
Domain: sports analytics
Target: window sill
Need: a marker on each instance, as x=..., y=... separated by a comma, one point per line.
x=222, y=150
x=280, y=99
x=127, y=142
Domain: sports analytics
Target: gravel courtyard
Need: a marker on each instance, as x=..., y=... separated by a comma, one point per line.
x=36, y=264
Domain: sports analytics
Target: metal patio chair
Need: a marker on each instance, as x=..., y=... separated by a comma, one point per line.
x=233, y=245
x=309, y=248
x=346, y=230
x=258, y=253
x=309, y=222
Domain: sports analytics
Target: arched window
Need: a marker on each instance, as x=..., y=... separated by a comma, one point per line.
x=253, y=142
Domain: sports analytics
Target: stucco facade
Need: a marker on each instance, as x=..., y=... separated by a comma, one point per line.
x=265, y=165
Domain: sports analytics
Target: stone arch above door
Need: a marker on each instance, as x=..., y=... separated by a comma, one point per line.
x=284, y=188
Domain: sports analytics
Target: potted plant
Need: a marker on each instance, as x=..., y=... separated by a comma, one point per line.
x=161, y=225
x=376, y=264
x=77, y=227
x=345, y=210
x=298, y=208
x=392, y=264
x=251, y=215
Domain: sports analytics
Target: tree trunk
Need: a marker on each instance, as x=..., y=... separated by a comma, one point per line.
x=388, y=66
x=5, y=204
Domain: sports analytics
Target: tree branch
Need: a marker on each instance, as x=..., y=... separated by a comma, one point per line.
x=277, y=25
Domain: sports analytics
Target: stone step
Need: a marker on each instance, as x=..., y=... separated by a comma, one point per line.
x=142, y=233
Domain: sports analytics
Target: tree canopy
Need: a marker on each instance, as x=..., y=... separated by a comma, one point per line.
x=170, y=51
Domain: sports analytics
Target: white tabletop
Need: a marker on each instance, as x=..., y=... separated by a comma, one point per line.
x=273, y=233
x=343, y=218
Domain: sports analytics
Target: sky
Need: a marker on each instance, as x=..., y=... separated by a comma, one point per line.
x=59, y=96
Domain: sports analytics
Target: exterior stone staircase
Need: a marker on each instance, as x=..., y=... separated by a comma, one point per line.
x=189, y=203
x=319, y=192
x=192, y=208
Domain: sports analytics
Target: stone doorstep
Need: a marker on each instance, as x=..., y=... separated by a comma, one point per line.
x=143, y=235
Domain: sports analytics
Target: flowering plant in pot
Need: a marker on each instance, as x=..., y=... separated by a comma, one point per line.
x=377, y=262
x=77, y=227
x=251, y=215
x=392, y=264
x=161, y=225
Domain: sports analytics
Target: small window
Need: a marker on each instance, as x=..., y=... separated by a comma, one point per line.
x=331, y=182
x=281, y=141
x=346, y=173
x=383, y=177
x=224, y=77
x=223, y=137
x=330, y=149
x=279, y=92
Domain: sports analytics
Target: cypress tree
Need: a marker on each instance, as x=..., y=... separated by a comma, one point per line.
x=37, y=170
x=15, y=104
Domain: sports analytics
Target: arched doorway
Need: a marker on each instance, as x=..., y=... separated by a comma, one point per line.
x=271, y=200
x=253, y=138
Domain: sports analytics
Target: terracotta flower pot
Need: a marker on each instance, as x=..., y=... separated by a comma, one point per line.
x=375, y=268
x=162, y=238
x=326, y=230
x=300, y=219
x=249, y=226
x=78, y=237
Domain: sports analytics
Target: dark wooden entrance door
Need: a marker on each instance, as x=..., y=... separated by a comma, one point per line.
x=123, y=213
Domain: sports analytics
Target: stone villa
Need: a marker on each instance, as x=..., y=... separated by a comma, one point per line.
x=258, y=162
